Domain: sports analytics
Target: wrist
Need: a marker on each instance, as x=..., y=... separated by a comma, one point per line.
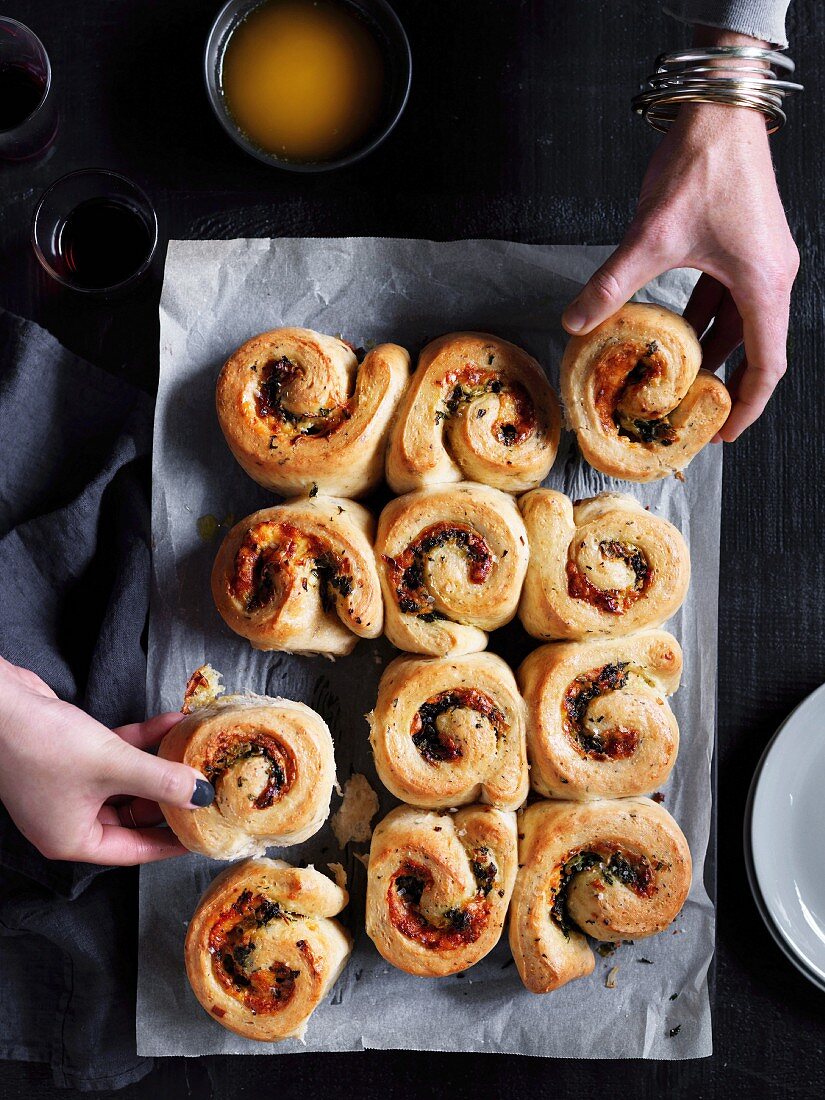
x=714, y=36
x=718, y=123
x=723, y=68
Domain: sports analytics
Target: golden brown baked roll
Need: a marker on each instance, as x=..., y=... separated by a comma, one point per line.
x=635, y=396
x=478, y=409
x=272, y=764
x=301, y=577
x=602, y=566
x=262, y=951
x=438, y=886
x=447, y=731
x=298, y=410
x=616, y=870
x=598, y=722
x=452, y=562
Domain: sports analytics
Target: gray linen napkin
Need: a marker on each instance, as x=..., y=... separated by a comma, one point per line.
x=74, y=586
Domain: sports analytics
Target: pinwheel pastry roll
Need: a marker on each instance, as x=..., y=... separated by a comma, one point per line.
x=447, y=731
x=298, y=410
x=452, y=561
x=599, y=725
x=614, y=870
x=636, y=397
x=271, y=762
x=301, y=577
x=603, y=566
x=478, y=409
x=263, y=950
x=438, y=886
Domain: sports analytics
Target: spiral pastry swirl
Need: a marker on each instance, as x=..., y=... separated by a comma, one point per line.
x=636, y=397
x=452, y=561
x=447, y=731
x=301, y=577
x=262, y=950
x=298, y=411
x=272, y=764
x=478, y=409
x=438, y=886
x=599, y=725
x=615, y=870
x=603, y=566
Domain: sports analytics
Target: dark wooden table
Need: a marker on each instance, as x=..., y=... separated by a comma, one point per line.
x=518, y=127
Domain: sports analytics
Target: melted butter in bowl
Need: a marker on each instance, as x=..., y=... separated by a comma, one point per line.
x=309, y=83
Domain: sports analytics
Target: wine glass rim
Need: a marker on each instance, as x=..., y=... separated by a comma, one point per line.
x=48, y=85
x=153, y=228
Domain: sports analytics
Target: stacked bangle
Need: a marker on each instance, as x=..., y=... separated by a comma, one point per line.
x=738, y=76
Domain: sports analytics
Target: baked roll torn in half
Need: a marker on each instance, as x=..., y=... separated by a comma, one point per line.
x=262, y=950
x=301, y=577
x=298, y=410
x=438, y=886
x=598, y=721
x=603, y=566
x=447, y=731
x=452, y=561
x=271, y=762
x=478, y=409
x=614, y=870
x=636, y=397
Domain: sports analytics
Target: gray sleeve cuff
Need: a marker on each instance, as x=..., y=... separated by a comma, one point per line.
x=759, y=18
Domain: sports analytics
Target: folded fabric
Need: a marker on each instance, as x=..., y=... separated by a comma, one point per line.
x=763, y=19
x=74, y=592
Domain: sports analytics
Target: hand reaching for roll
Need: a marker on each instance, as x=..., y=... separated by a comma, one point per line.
x=709, y=200
x=79, y=791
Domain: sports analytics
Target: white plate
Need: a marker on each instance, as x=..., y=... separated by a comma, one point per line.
x=785, y=837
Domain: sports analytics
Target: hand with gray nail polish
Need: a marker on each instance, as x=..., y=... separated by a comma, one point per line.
x=709, y=201
x=79, y=791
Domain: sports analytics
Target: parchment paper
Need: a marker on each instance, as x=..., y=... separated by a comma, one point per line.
x=217, y=294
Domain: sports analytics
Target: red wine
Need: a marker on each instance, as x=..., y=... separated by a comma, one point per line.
x=21, y=93
x=103, y=242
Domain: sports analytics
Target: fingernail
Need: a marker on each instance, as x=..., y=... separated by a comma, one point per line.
x=204, y=793
x=574, y=318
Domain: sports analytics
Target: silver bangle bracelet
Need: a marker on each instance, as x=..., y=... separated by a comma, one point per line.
x=737, y=76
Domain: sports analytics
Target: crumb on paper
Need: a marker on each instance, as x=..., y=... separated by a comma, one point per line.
x=339, y=874
x=203, y=689
x=352, y=820
x=679, y=475
x=610, y=980
x=210, y=526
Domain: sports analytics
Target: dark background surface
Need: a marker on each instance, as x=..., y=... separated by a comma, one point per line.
x=518, y=127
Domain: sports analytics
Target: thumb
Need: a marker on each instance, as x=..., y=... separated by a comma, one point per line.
x=142, y=775
x=607, y=290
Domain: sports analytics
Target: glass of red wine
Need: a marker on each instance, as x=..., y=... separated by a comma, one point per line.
x=96, y=232
x=28, y=106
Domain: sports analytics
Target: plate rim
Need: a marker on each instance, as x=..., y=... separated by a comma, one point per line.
x=785, y=944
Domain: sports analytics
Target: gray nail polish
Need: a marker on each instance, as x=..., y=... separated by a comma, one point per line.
x=204, y=793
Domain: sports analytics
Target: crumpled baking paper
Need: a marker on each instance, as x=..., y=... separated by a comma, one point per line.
x=216, y=295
